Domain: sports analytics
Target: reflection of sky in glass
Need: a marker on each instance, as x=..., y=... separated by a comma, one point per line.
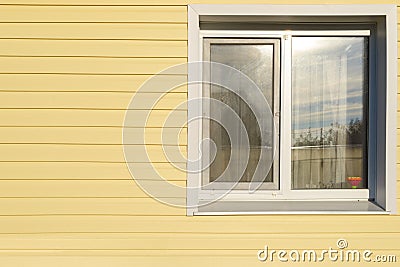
x=328, y=81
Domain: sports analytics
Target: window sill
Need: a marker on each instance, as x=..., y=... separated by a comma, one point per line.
x=290, y=207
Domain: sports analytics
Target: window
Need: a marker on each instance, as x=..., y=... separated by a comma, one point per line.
x=259, y=60
x=329, y=111
x=313, y=114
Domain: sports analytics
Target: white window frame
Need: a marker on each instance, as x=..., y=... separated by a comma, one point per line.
x=195, y=36
x=208, y=194
x=285, y=191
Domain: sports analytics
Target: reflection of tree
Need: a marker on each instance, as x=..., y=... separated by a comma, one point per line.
x=354, y=132
x=322, y=136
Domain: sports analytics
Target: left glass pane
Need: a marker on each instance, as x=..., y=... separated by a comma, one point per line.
x=257, y=62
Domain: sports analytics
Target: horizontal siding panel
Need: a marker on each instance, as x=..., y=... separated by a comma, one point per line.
x=53, y=258
x=115, y=118
x=115, y=206
x=398, y=102
x=86, y=189
x=93, y=48
x=91, y=135
x=193, y=241
x=174, y=255
x=151, y=258
x=100, y=153
x=398, y=172
x=134, y=31
x=88, y=171
x=86, y=206
x=174, y=14
x=184, y=2
x=201, y=224
x=88, y=83
x=398, y=81
x=87, y=65
x=91, y=100
x=398, y=43
x=398, y=136
x=82, y=188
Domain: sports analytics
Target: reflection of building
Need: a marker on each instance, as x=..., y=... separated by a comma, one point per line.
x=326, y=166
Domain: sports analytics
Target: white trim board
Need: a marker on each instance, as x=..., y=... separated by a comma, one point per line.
x=195, y=11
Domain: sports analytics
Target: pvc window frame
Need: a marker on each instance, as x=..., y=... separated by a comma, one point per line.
x=387, y=203
x=245, y=38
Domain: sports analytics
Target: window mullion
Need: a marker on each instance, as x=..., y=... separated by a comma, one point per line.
x=286, y=114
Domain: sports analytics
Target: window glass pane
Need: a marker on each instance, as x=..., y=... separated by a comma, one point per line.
x=329, y=119
x=256, y=61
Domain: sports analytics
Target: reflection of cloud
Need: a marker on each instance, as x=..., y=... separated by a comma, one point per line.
x=328, y=80
x=325, y=118
x=326, y=100
x=339, y=111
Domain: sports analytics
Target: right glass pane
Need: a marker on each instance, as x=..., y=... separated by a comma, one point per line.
x=329, y=112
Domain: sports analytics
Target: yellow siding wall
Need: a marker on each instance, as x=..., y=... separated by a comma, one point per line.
x=68, y=69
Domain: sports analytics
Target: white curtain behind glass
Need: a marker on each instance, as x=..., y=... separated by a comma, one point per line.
x=327, y=102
